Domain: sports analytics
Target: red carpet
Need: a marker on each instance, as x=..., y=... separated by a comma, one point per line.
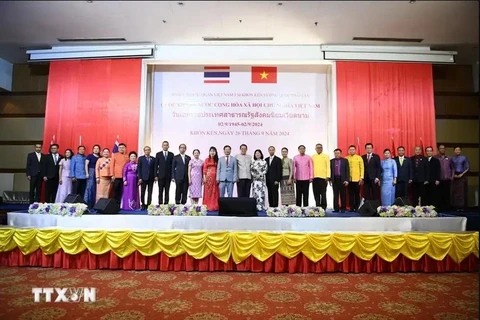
x=137, y=295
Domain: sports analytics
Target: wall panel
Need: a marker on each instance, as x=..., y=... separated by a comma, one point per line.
x=457, y=131
x=30, y=77
x=22, y=129
x=31, y=104
x=17, y=156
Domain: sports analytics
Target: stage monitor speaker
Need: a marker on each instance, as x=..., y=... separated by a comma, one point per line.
x=106, y=206
x=237, y=207
x=402, y=201
x=369, y=208
x=73, y=198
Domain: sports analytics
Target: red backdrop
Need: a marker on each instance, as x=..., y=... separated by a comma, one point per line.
x=380, y=101
x=97, y=99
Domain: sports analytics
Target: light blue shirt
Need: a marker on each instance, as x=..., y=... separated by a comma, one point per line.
x=77, y=167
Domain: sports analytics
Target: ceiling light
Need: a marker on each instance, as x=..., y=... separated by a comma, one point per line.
x=89, y=1
x=279, y=4
x=237, y=38
x=164, y=21
x=180, y=3
x=413, y=1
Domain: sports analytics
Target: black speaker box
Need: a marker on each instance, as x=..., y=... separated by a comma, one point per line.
x=107, y=206
x=73, y=198
x=369, y=208
x=237, y=207
x=402, y=201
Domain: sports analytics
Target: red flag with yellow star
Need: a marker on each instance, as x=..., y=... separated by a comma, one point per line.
x=264, y=74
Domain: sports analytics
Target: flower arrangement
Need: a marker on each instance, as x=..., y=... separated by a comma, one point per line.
x=176, y=210
x=293, y=211
x=59, y=209
x=407, y=211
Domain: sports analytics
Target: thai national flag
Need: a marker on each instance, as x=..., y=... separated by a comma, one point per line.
x=115, y=146
x=216, y=74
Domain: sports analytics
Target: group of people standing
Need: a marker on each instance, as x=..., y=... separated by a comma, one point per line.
x=433, y=179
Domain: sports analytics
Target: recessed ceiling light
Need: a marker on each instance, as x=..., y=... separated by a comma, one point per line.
x=413, y=1
x=89, y=1
x=279, y=4
x=164, y=21
x=180, y=3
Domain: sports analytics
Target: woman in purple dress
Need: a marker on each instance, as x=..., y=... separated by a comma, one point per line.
x=195, y=176
x=130, y=198
x=65, y=182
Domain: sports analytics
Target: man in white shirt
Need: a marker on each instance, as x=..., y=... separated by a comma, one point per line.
x=34, y=173
x=244, y=162
x=404, y=175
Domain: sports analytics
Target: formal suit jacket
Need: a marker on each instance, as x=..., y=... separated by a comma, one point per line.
x=434, y=170
x=420, y=173
x=404, y=171
x=163, y=168
x=34, y=166
x=344, y=169
x=145, y=170
x=180, y=169
x=50, y=169
x=274, y=172
x=227, y=173
x=373, y=169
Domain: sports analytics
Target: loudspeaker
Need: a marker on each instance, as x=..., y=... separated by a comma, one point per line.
x=402, y=201
x=369, y=208
x=107, y=206
x=237, y=207
x=73, y=198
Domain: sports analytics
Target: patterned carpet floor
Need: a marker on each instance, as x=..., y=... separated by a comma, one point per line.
x=132, y=295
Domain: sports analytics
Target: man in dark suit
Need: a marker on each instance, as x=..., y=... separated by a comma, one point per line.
x=50, y=172
x=373, y=171
x=146, y=176
x=163, y=172
x=180, y=174
x=404, y=175
x=274, y=176
x=34, y=173
x=340, y=176
x=433, y=179
x=419, y=176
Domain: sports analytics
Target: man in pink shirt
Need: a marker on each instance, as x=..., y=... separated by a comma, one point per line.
x=302, y=175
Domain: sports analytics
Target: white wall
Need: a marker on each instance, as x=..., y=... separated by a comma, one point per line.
x=6, y=72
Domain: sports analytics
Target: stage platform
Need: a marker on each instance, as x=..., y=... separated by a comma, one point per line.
x=332, y=222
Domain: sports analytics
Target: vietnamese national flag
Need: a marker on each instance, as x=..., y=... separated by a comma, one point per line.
x=264, y=74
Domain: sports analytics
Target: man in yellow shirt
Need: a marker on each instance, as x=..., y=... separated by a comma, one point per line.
x=321, y=175
x=357, y=172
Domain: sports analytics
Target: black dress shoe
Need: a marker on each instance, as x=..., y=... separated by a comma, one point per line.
x=342, y=211
x=336, y=210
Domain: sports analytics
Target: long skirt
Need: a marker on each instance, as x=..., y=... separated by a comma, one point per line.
x=64, y=189
x=287, y=192
x=388, y=192
x=459, y=192
x=103, y=188
x=91, y=190
x=130, y=197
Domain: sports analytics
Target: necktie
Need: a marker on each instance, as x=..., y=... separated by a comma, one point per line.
x=38, y=156
x=401, y=161
x=148, y=160
x=56, y=160
x=165, y=155
x=417, y=159
x=368, y=158
x=227, y=161
x=183, y=159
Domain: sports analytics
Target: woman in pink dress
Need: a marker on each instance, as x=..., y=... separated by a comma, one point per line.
x=65, y=182
x=195, y=176
x=130, y=197
x=211, y=192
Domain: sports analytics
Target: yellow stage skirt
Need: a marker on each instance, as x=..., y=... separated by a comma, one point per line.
x=241, y=245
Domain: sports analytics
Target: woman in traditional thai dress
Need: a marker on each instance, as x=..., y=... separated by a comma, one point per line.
x=211, y=193
x=195, y=176
x=103, y=175
x=130, y=196
x=65, y=182
x=388, y=179
x=287, y=190
x=460, y=182
x=259, y=169
x=90, y=163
